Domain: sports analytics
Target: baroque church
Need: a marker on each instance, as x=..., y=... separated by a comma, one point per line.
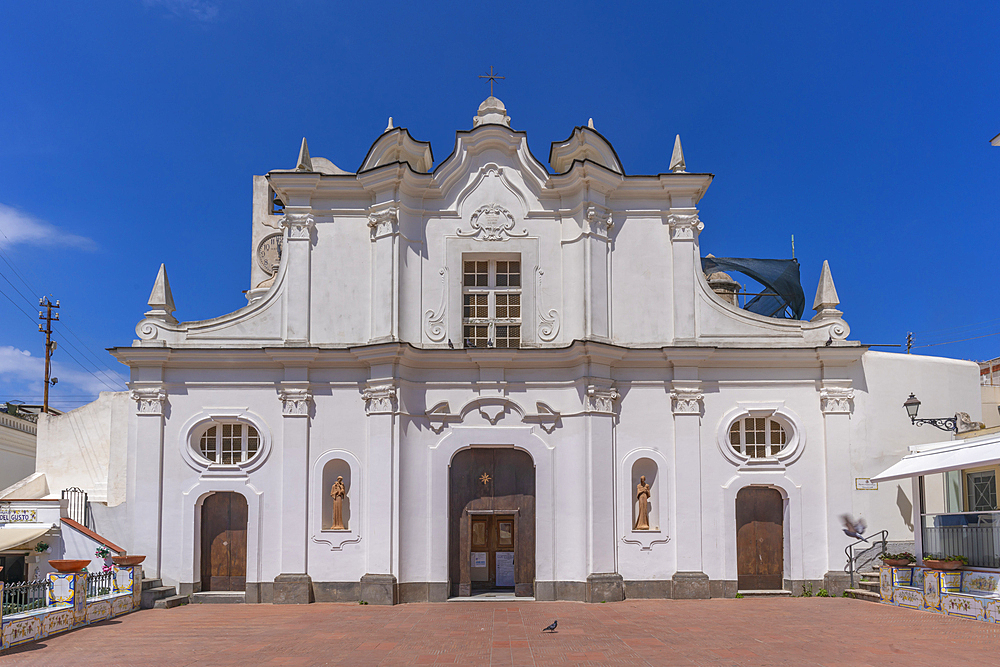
x=497, y=375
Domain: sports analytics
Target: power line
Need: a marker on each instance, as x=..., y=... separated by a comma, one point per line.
x=14, y=303
x=962, y=340
x=959, y=328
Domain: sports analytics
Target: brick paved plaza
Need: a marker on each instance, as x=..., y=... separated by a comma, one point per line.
x=797, y=631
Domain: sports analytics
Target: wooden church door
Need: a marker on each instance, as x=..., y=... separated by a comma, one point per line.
x=759, y=539
x=224, y=542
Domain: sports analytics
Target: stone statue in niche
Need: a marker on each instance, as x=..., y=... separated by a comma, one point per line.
x=642, y=495
x=339, y=493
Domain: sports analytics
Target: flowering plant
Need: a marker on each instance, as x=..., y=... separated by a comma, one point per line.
x=102, y=552
x=902, y=555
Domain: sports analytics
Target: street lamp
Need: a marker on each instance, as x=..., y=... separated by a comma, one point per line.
x=912, y=405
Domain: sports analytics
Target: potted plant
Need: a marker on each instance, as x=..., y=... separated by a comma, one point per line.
x=902, y=559
x=952, y=562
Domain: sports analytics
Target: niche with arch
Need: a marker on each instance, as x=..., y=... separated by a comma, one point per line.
x=331, y=470
x=646, y=467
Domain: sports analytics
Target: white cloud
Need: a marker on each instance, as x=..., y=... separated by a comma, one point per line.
x=19, y=227
x=22, y=374
x=198, y=10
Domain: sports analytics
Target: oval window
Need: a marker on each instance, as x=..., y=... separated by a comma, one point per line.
x=757, y=437
x=229, y=443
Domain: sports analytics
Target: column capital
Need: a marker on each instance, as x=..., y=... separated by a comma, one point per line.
x=836, y=399
x=384, y=221
x=299, y=224
x=601, y=398
x=685, y=224
x=380, y=397
x=149, y=400
x=598, y=220
x=687, y=398
x=295, y=401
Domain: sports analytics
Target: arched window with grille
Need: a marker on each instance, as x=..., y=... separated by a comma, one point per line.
x=757, y=437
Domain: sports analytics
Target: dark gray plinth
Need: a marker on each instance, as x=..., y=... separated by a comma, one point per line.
x=605, y=587
x=262, y=592
x=336, y=591
x=524, y=590
x=379, y=589
x=292, y=589
x=836, y=583
x=561, y=590
x=649, y=589
x=423, y=591
x=189, y=589
x=690, y=586
x=723, y=588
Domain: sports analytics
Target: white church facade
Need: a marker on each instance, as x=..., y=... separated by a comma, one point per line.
x=523, y=380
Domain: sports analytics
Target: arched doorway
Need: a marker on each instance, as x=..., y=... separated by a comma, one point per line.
x=491, y=525
x=224, y=542
x=759, y=538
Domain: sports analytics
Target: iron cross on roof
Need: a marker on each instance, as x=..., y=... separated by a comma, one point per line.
x=492, y=77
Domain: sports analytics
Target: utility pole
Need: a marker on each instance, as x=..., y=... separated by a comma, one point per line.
x=909, y=341
x=50, y=345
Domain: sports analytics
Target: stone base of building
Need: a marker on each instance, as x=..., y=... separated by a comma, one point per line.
x=561, y=590
x=260, y=592
x=379, y=589
x=836, y=583
x=423, y=591
x=690, y=586
x=648, y=589
x=292, y=589
x=605, y=587
x=336, y=591
x=723, y=588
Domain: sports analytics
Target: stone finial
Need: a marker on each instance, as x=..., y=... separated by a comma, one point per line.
x=677, y=159
x=590, y=123
x=305, y=162
x=161, y=301
x=389, y=126
x=827, y=300
x=491, y=112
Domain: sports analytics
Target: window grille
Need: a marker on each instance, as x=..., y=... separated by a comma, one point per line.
x=491, y=303
x=982, y=487
x=757, y=437
x=229, y=443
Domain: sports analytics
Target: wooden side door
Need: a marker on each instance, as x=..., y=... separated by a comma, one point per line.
x=759, y=539
x=224, y=542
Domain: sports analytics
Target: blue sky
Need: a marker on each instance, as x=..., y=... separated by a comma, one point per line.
x=131, y=129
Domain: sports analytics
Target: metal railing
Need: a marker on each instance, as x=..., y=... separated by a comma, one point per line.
x=879, y=538
x=25, y=596
x=77, y=505
x=100, y=583
x=975, y=535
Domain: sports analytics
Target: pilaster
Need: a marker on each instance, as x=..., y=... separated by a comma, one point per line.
x=293, y=585
x=597, y=225
x=298, y=255
x=684, y=229
x=383, y=220
x=686, y=399
x=146, y=507
x=379, y=585
x=836, y=399
x=604, y=583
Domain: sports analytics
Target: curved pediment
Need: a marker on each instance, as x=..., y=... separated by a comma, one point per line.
x=396, y=145
x=491, y=150
x=585, y=143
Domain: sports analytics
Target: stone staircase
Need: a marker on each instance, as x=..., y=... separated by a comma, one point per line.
x=157, y=596
x=868, y=587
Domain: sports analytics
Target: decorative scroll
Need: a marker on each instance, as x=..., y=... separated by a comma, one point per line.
x=601, y=399
x=835, y=400
x=434, y=321
x=598, y=220
x=548, y=322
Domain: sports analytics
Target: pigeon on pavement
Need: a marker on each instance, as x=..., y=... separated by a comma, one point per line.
x=551, y=628
x=854, y=528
